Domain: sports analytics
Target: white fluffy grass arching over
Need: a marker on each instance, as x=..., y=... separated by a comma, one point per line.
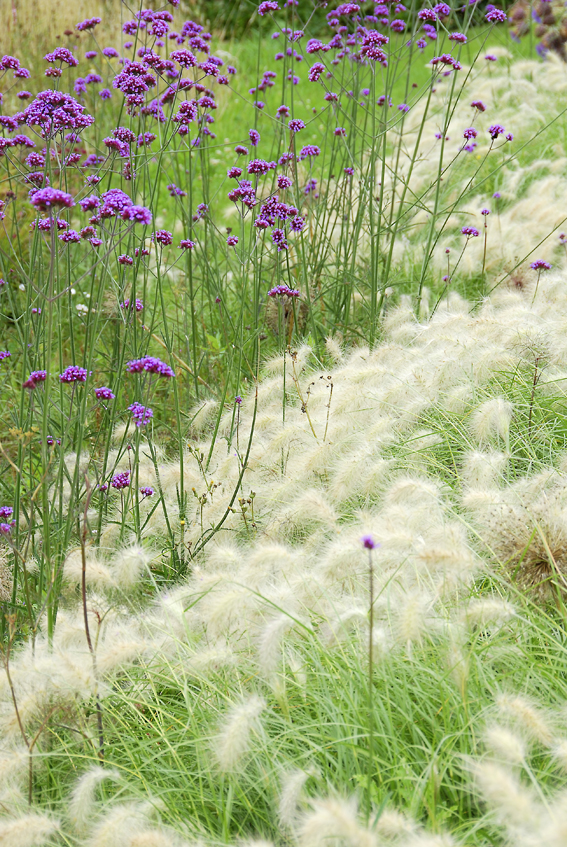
x=436, y=444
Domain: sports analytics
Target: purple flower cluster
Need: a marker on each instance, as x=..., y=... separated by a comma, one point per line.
x=138, y=304
x=284, y=291
x=141, y=415
x=149, y=364
x=104, y=393
x=540, y=265
x=73, y=374
x=34, y=378
x=119, y=481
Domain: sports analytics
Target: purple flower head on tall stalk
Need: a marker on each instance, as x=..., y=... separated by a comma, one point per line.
x=268, y=6
x=146, y=491
x=470, y=231
x=495, y=130
x=478, y=104
x=490, y=57
x=232, y=240
x=5, y=528
x=368, y=542
x=104, y=393
x=497, y=195
x=254, y=137
x=485, y=212
x=186, y=244
x=495, y=16
x=340, y=131
x=138, y=305
x=470, y=133
x=62, y=54
x=120, y=480
x=150, y=364
x=238, y=400
x=137, y=214
x=540, y=265
x=283, y=291
x=4, y=354
x=73, y=374
x=6, y=512
x=141, y=415
x=309, y=151
x=241, y=150
x=89, y=23
x=163, y=237
x=47, y=198
x=34, y=378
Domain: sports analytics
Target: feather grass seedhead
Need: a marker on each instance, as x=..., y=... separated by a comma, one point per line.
x=236, y=735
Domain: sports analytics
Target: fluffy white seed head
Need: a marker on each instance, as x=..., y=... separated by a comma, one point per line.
x=82, y=804
x=235, y=737
x=30, y=830
x=492, y=420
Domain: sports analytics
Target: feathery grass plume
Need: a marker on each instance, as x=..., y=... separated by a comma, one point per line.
x=270, y=645
x=82, y=807
x=334, y=821
x=491, y=421
x=129, y=564
x=31, y=830
x=201, y=415
x=153, y=838
x=119, y=823
x=484, y=469
x=481, y=612
x=235, y=737
x=512, y=803
x=292, y=785
x=13, y=766
x=98, y=574
x=333, y=348
x=532, y=720
x=505, y=745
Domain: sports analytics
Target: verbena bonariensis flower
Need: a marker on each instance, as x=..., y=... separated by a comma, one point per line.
x=470, y=231
x=268, y=6
x=232, y=240
x=137, y=214
x=4, y=354
x=46, y=198
x=495, y=16
x=120, y=480
x=54, y=111
x=369, y=543
x=254, y=137
x=124, y=259
x=470, y=133
x=6, y=512
x=34, y=378
x=62, y=54
x=478, y=104
x=186, y=244
x=296, y=125
x=73, y=374
x=146, y=491
x=149, y=364
x=104, y=393
x=495, y=130
x=89, y=23
x=540, y=265
x=138, y=305
x=142, y=415
x=163, y=237
x=283, y=291
x=310, y=150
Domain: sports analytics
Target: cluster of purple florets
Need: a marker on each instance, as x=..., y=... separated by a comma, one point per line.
x=141, y=415
x=74, y=374
x=149, y=364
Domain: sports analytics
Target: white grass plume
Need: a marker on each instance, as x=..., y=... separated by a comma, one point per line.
x=82, y=807
x=31, y=830
x=235, y=737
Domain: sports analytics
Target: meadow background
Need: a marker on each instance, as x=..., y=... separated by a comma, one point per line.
x=283, y=462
